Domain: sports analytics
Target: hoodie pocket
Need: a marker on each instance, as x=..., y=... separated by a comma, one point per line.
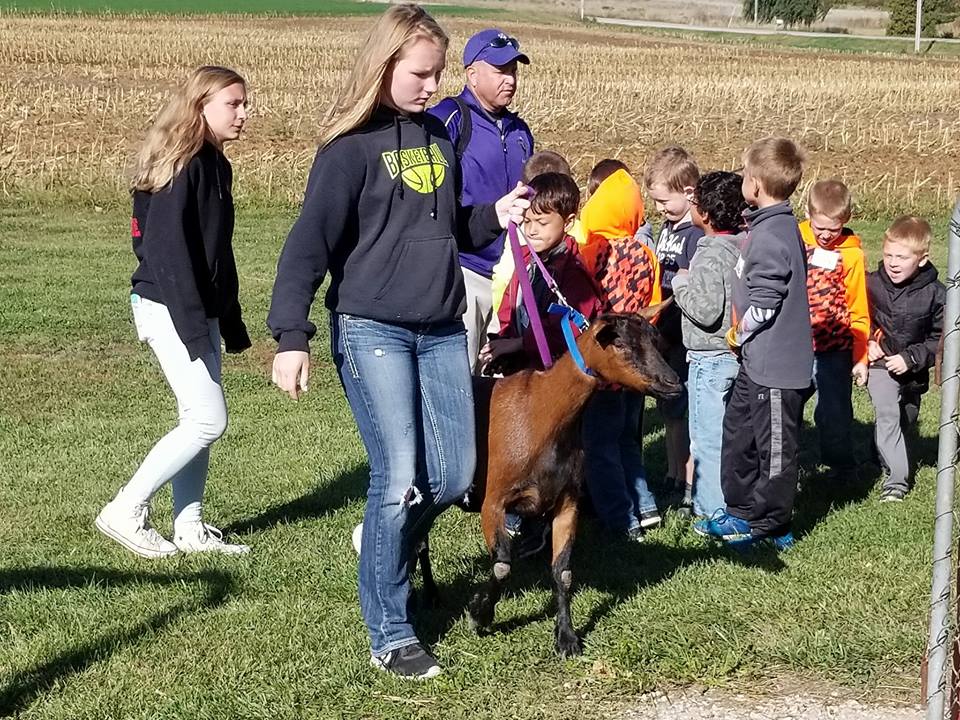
x=423, y=276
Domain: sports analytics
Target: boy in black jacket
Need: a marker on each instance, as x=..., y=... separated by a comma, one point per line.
x=906, y=316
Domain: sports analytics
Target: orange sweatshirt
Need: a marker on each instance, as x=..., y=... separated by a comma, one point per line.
x=623, y=265
x=837, y=292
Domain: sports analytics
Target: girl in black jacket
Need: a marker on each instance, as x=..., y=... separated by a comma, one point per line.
x=184, y=299
x=381, y=215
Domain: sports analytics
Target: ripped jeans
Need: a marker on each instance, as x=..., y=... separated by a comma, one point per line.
x=411, y=393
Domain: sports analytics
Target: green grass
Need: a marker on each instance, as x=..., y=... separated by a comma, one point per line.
x=89, y=631
x=216, y=7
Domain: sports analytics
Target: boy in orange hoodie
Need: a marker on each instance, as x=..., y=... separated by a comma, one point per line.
x=624, y=266
x=628, y=274
x=839, y=318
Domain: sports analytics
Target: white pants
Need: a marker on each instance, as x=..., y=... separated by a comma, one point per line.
x=182, y=455
x=479, y=319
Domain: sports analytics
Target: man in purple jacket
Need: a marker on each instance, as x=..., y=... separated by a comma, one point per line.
x=492, y=144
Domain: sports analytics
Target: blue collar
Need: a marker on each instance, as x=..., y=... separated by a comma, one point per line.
x=571, y=317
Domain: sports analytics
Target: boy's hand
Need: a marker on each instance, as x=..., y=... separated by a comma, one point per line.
x=896, y=364
x=860, y=373
x=501, y=346
x=874, y=351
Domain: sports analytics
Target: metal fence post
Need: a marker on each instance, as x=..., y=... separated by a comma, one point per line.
x=940, y=591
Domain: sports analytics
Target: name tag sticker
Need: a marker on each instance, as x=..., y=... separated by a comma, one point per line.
x=826, y=259
x=739, y=267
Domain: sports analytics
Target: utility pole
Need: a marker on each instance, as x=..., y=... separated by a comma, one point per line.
x=581, y=9
x=755, y=13
x=916, y=30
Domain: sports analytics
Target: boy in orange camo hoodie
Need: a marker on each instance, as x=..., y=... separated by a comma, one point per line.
x=839, y=318
x=611, y=241
x=628, y=274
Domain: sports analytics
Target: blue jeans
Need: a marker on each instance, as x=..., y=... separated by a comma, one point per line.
x=833, y=415
x=613, y=459
x=410, y=391
x=709, y=383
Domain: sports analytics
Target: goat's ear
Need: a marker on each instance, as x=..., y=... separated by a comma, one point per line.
x=652, y=312
x=606, y=335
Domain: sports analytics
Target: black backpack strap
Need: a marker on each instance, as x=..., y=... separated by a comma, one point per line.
x=466, y=127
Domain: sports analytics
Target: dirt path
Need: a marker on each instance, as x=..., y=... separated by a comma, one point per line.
x=726, y=705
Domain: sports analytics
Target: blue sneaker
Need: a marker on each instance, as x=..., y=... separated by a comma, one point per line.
x=723, y=526
x=782, y=543
x=779, y=543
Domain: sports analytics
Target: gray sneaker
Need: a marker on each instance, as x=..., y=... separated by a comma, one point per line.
x=888, y=495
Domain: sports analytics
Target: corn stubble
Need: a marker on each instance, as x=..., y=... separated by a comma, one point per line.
x=78, y=93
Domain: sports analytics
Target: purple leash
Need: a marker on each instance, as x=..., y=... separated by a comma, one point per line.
x=526, y=289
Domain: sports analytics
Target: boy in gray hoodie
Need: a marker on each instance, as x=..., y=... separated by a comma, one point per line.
x=704, y=295
x=771, y=333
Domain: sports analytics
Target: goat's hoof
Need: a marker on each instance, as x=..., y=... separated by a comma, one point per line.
x=480, y=613
x=568, y=644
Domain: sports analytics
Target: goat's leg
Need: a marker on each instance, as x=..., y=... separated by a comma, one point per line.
x=482, y=606
x=564, y=532
x=431, y=596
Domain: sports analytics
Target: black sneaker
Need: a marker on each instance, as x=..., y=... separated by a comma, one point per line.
x=636, y=534
x=412, y=662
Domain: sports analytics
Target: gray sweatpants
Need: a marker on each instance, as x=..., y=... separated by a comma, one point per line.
x=479, y=319
x=896, y=413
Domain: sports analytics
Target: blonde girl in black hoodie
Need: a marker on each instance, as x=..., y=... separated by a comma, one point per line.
x=381, y=216
x=184, y=298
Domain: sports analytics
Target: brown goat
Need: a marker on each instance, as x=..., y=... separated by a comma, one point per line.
x=529, y=453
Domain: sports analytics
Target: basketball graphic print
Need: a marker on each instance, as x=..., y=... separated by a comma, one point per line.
x=421, y=179
x=421, y=169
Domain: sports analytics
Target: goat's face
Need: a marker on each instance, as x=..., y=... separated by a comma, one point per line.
x=626, y=349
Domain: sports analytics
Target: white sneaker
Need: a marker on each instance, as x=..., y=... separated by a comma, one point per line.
x=357, y=537
x=199, y=537
x=131, y=528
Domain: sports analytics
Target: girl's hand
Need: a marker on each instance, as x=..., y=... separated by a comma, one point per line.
x=874, y=352
x=512, y=206
x=860, y=374
x=291, y=370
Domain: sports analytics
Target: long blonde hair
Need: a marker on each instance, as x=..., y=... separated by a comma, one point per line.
x=355, y=103
x=180, y=129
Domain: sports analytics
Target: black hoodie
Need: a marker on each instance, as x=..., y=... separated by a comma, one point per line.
x=909, y=318
x=381, y=214
x=182, y=236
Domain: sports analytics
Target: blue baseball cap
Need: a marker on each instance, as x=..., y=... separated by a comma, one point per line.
x=493, y=46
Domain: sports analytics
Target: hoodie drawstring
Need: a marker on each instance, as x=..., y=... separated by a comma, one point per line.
x=430, y=159
x=396, y=125
x=433, y=170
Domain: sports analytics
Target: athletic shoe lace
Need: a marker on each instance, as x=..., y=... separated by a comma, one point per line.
x=142, y=514
x=211, y=534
